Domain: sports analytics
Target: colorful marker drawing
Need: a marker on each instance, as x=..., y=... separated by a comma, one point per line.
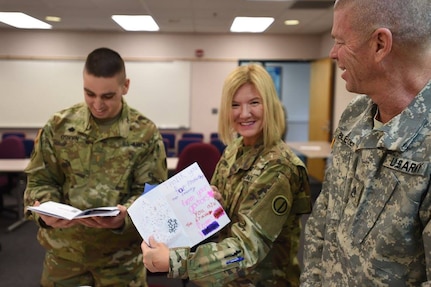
x=179, y=212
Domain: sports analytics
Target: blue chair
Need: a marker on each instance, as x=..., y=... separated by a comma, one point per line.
x=166, y=144
x=193, y=135
x=171, y=143
x=14, y=134
x=171, y=137
x=218, y=144
x=213, y=136
x=28, y=146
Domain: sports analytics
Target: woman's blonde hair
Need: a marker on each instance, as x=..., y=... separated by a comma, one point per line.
x=274, y=122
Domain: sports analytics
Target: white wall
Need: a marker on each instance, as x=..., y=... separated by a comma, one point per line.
x=151, y=46
x=208, y=78
x=221, y=55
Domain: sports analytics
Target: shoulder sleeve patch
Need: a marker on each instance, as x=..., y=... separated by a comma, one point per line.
x=270, y=213
x=280, y=205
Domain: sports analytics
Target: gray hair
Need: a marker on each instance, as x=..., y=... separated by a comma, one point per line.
x=408, y=20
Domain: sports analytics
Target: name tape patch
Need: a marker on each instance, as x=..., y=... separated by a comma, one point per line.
x=406, y=165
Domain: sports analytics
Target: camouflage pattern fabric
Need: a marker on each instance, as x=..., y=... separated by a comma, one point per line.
x=370, y=225
x=264, y=192
x=77, y=164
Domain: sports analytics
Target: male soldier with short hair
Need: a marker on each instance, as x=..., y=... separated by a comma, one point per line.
x=98, y=153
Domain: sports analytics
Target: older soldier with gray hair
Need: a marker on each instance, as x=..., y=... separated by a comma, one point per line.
x=371, y=224
x=98, y=153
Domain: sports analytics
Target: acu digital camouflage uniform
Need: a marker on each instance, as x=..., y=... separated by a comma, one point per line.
x=371, y=224
x=77, y=164
x=264, y=192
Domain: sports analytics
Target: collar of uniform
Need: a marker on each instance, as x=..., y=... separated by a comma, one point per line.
x=356, y=121
x=401, y=131
x=397, y=134
x=124, y=121
x=245, y=156
x=123, y=126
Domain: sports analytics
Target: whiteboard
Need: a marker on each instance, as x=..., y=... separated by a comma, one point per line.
x=32, y=90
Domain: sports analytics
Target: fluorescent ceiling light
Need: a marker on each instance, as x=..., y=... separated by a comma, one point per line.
x=23, y=21
x=136, y=22
x=291, y=22
x=53, y=18
x=251, y=24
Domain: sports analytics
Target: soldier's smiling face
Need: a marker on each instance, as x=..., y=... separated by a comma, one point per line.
x=104, y=95
x=247, y=113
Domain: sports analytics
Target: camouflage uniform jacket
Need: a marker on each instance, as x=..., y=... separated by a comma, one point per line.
x=371, y=225
x=75, y=163
x=264, y=191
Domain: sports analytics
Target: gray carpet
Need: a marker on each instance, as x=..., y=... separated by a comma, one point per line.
x=21, y=256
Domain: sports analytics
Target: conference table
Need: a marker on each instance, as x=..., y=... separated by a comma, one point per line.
x=315, y=155
x=312, y=149
x=18, y=166
x=172, y=163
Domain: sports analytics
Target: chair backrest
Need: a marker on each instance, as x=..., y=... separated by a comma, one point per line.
x=213, y=135
x=166, y=144
x=16, y=134
x=171, y=137
x=218, y=144
x=193, y=135
x=205, y=154
x=28, y=146
x=182, y=143
x=12, y=147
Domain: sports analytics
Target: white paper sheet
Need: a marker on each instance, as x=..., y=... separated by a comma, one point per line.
x=179, y=212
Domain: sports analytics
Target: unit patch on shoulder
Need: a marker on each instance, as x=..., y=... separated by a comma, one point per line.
x=280, y=205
